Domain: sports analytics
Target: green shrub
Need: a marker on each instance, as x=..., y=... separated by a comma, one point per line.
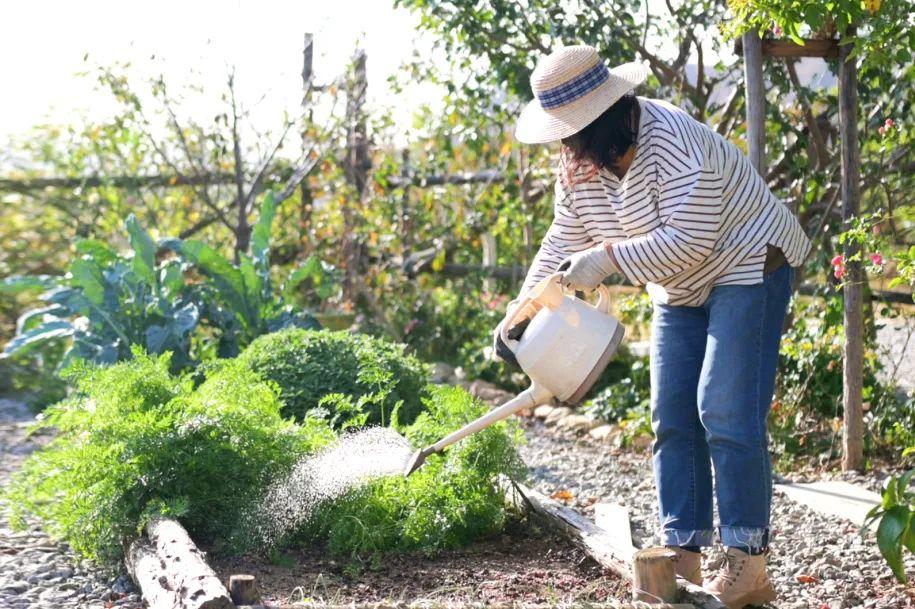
x=450, y=501
x=308, y=365
x=136, y=441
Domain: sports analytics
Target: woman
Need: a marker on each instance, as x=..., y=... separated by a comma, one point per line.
x=647, y=192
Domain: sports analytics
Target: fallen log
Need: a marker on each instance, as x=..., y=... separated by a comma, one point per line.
x=600, y=545
x=172, y=572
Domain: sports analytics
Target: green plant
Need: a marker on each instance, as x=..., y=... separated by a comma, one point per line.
x=239, y=299
x=896, y=517
x=308, y=365
x=453, y=499
x=625, y=398
x=107, y=302
x=135, y=441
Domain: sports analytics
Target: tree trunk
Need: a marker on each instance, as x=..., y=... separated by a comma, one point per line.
x=853, y=368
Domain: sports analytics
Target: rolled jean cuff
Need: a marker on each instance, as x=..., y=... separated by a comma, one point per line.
x=687, y=537
x=745, y=538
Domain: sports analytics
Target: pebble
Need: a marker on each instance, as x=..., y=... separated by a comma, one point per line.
x=850, y=572
x=36, y=572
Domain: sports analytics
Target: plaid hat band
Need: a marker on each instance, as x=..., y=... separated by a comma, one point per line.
x=571, y=90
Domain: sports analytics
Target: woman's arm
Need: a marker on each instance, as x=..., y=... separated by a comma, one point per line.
x=565, y=236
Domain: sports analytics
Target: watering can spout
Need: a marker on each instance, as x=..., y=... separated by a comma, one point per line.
x=534, y=395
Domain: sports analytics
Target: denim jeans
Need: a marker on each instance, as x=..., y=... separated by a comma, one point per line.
x=712, y=379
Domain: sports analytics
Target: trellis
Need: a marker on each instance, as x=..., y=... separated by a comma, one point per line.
x=754, y=49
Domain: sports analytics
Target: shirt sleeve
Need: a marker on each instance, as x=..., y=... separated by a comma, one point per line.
x=565, y=236
x=687, y=235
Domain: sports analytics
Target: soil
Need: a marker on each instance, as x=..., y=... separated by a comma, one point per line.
x=520, y=566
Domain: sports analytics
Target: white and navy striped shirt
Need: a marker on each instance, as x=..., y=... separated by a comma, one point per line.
x=691, y=213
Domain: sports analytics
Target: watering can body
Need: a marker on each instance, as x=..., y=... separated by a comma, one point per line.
x=563, y=350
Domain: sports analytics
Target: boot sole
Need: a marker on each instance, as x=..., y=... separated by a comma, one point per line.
x=764, y=595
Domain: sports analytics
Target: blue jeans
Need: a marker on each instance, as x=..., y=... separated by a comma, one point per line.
x=712, y=379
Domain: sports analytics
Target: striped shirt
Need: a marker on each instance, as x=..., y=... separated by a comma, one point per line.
x=691, y=213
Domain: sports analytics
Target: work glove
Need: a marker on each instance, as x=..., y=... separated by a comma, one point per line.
x=586, y=270
x=523, y=318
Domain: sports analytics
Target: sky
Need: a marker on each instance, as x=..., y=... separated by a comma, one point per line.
x=44, y=44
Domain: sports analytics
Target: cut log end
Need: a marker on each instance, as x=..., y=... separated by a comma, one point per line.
x=653, y=579
x=243, y=589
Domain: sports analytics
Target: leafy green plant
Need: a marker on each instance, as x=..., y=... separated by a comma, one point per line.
x=107, y=302
x=309, y=365
x=625, y=398
x=452, y=500
x=239, y=299
x=895, y=519
x=135, y=441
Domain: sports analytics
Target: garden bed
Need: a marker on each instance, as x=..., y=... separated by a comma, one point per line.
x=522, y=565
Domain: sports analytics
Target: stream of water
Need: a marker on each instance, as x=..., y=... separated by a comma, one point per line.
x=355, y=459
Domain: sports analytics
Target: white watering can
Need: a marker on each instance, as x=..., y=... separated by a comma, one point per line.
x=564, y=350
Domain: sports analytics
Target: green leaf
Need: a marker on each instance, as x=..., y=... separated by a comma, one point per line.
x=25, y=321
x=35, y=337
x=87, y=275
x=260, y=236
x=144, y=259
x=97, y=249
x=890, y=495
x=24, y=283
x=889, y=538
x=226, y=278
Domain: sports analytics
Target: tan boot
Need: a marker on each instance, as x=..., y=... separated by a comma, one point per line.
x=743, y=582
x=688, y=565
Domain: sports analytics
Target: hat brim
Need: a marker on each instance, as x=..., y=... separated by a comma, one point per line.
x=537, y=125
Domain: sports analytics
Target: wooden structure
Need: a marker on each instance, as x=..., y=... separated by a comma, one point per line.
x=754, y=49
x=172, y=572
x=652, y=578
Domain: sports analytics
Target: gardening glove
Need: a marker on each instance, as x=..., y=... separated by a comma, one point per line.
x=499, y=349
x=586, y=270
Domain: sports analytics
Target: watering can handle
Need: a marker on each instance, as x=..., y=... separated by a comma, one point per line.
x=603, y=302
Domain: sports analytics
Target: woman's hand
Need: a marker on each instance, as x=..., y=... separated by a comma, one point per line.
x=586, y=270
x=520, y=319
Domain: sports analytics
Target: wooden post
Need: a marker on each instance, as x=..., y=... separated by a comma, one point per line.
x=490, y=257
x=756, y=100
x=528, y=227
x=406, y=220
x=853, y=364
x=306, y=208
x=356, y=170
x=653, y=579
x=243, y=590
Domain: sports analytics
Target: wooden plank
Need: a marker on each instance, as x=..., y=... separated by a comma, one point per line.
x=834, y=498
x=812, y=47
x=614, y=519
x=853, y=290
x=595, y=541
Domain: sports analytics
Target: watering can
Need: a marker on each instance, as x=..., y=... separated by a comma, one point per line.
x=564, y=350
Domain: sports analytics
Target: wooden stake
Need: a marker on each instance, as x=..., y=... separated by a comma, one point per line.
x=243, y=590
x=853, y=292
x=653, y=579
x=756, y=100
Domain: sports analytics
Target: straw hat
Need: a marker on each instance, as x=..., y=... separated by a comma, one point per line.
x=572, y=87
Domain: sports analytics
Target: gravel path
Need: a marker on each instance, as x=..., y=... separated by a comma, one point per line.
x=36, y=572
x=847, y=571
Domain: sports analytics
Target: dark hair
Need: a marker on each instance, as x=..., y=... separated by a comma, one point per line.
x=602, y=142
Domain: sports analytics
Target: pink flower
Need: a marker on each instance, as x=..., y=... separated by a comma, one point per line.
x=777, y=30
x=881, y=131
x=838, y=260
x=877, y=259
x=889, y=123
x=838, y=272
x=410, y=326
x=876, y=229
